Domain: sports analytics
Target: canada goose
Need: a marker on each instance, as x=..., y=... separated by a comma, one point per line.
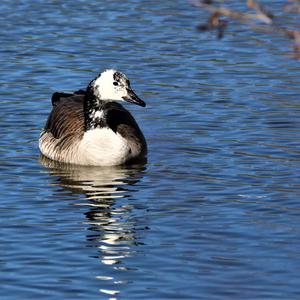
x=90, y=128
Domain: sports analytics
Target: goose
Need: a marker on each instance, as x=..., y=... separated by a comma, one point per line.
x=90, y=128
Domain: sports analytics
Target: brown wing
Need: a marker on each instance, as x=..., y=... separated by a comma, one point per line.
x=67, y=116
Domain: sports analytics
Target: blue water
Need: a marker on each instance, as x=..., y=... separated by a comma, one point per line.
x=215, y=212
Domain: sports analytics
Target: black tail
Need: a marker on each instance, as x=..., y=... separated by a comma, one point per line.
x=57, y=96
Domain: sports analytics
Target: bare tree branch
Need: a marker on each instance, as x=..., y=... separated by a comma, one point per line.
x=261, y=15
x=294, y=7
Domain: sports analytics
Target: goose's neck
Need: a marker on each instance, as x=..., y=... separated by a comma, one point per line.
x=94, y=112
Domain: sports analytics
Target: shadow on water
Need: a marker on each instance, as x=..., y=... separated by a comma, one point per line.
x=111, y=226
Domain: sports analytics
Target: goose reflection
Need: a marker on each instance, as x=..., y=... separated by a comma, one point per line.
x=108, y=192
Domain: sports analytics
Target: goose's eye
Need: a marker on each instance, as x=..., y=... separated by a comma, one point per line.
x=115, y=83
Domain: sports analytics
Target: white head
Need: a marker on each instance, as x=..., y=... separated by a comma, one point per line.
x=112, y=85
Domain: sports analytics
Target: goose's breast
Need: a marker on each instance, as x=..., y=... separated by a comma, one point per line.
x=102, y=146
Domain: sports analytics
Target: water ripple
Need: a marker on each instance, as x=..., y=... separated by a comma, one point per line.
x=213, y=215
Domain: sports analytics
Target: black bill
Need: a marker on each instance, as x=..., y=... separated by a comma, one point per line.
x=133, y=98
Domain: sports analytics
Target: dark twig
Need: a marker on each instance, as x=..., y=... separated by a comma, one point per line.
x=293, y=7
x=214, y=22
x=261, y=15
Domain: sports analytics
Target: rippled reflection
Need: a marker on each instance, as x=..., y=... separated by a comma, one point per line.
x=111, y=228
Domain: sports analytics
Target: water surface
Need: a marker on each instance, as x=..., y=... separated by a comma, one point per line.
x=214, y=214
